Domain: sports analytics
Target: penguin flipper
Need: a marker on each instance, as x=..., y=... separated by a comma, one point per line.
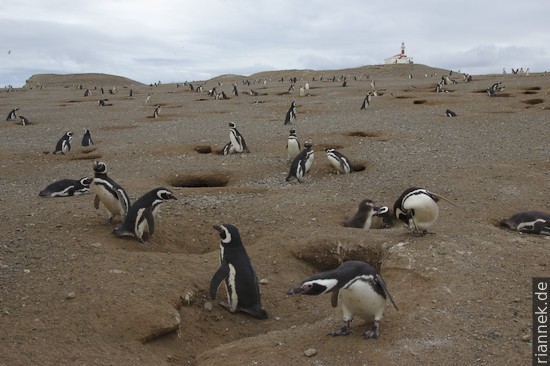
x=334, y=298
x=96, y=201
x=257, y=312
x=122, y=197
x=382, y=284
x=150, y=221
x=220, y=275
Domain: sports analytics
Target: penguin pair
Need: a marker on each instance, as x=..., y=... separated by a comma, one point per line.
x=292, y=145
x=302, y=163
x=363, y=217
x=359, y=288
x=238, y=274
x=531, y=222
x=139, y=222
x=237, y=143
x=339, y=161
x=291, y=114
x=67, y=187
x=418, y=209
x=109, y=193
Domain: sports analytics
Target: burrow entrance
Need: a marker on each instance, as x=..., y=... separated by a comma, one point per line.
x=197, y=180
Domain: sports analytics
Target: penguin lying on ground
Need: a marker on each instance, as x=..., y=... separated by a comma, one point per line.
x=532, y=222
x=241, y=282
x=362, y=219
x=360, y=289
x=450, y=113
x=67, y=187
x=140, y=222
x=63, y=146
x=417, y=207
x=110, y=193
x=302, y=163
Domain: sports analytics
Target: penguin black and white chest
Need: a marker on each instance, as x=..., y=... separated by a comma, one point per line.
x=302, y=163
x=67, y=187
x=12, y=115
x=291, y=114
x=236, y=139
x=140, y=220
x=292, y=145
x=359, y=288
x=417, y=207
x=237, y=271
x=110, y=193
x=63, y=146
x=339, y=161
x=87, y=138
x=531, y=222
x=366, y=210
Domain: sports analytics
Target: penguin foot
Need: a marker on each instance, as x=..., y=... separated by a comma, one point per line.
x=421, y=232
x=109, y=221
x=374, y=332
x=344, y=331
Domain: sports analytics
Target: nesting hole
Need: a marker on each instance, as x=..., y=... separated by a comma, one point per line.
x=86, y=156
x=533, y=101
x=358, y=167
x=197, y=180
x=420, y=101
x=363, y=134
x=203, y=149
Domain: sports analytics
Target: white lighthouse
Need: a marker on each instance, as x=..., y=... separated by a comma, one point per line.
x=400, y=58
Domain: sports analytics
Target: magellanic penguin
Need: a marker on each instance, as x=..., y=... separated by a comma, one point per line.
x=366, y=101
x=362, y=219
x=67, y=187
x=140, y=222
x=302, y=163
x=532, y=222
x=63, y=146
x=236, y=139
x=417, y=207
x=110, y=193
x=236, y=269
x=291, y=114
x=360, y=289
x=450, y=113
x=292, y=145
x=339, y=161
x=12, y=115
x=87, y=138
x=156, y=112
x=24, y=121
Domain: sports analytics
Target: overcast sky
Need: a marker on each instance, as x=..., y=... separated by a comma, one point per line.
x=179, y=40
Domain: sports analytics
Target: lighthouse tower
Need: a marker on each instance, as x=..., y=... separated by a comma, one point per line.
x=400, y=58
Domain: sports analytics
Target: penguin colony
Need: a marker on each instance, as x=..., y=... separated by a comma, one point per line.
x=357, y=286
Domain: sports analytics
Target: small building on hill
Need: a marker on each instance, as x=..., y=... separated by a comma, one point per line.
x=400, y=58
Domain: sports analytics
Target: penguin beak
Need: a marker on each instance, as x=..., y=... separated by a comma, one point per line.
x=294, y=291
x=217, y=227
x=172, y=197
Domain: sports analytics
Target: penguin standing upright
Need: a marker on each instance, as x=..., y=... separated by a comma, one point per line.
x=236, y=269
x=302, y=163
x=366, y=101
x=236, y=139
x=67, y=187
x=532, y=222
x=139, y=222
x=339, y=161
x=63, y=146
x=110, y=193
x=362, y=219
x=292, y=145
x=87, y=138
x=417, y=207
x=360, y=289
x=156, y=112
x=291, y=114
x=12, y=115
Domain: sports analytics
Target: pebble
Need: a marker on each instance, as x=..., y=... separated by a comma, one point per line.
x=116, y=271
x=264, y=281
x=71, y=295
x=526, y=338
x=310, y=352
x=208, y=306
x=95, y=245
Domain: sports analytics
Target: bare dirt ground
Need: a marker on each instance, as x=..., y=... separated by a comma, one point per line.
x=74, y=294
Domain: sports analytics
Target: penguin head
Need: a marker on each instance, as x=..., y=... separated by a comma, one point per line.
x=292, y=131
x=314, y=287
x=381, y=211
x=100, y=167
x=86, y=131
x=69, y=134
x=228, y=233
x=232, y=125
x=85, y=181
x=165, y=194
x=308, y=144
x=366, y=204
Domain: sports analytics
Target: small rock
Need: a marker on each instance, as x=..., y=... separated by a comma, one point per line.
x=71, y=295
x=264, y=281
x=26, y=271
x=208, y=306
x=95, y=245
x=310, y=352
x=116, y=271
x=526, y=338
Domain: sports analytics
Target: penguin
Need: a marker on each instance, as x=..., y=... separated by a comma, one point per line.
x=236, y=269
x=12, y=115
x=384, y=219
x=292, y=145
x=139, y=222
x=339, y=162
x=531, y=222
x=67, y=187
x=302, y=163
x=366, y=101
x=362, y=219
x=236, y=139
x=64, y=144
x=228, y=149
x=24, y=121
x=156, y=112
x=87, y=138
x=359, y=288
x=102, y=103
x=110, y=193
x=417, y=207
x=291, y=114
x=450, y=113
